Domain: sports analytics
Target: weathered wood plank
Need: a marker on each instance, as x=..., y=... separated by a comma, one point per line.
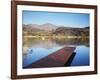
x=57, y=59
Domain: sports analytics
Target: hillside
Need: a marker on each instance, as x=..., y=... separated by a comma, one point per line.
x=72, y=31
x=50, y=29
x=35, y=27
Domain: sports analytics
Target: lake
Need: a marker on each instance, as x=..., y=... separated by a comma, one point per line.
x=36, y=49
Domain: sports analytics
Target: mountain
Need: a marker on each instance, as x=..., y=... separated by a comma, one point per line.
x=43, y=27
x=47, y=27
x=31, y=28
x=56, y=30
x=72, y=31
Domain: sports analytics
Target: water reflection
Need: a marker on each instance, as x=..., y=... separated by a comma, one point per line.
x=82, y=56
x=49, y=43
x=36, y=49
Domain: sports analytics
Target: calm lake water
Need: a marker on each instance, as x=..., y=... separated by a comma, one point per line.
x=36, y=49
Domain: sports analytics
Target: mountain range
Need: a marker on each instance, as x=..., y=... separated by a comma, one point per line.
x=62, y=30
x=36, y=27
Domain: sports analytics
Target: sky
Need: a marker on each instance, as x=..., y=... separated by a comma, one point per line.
x=78, y=20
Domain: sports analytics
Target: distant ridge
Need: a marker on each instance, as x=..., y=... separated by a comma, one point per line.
x=43, y=27
x=57, y=30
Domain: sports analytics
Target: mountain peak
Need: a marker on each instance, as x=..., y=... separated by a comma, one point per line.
x=45, y=27
x=49, y=24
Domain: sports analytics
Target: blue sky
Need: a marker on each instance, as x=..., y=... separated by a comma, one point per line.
x=57, y=18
